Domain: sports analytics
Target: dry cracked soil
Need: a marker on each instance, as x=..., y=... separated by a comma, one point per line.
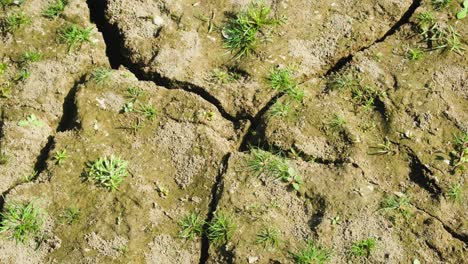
x=131, y=133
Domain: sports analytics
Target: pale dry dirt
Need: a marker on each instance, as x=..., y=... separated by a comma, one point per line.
x=194, y=155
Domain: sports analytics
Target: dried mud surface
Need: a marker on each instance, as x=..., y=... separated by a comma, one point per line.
x=195, y=154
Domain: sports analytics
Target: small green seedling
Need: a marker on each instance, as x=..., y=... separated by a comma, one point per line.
x=399, y=203
x=462, y=14
x=31, y=120
x=5, y=90
x=108, y=172
x=365, y=96
x=414, y=54
x=101, y=75
x=342, y=81
x=55, y=9
x=3, y=68
x=241, y=33
x=191, y=226
x=30, y=56
x=274, y=166
x=385, y=148
x=363, y=248
x=74, y=36
x=70, y=216
x=283, y=81
x=60, y=156
x=30, y=176
x=459, y=156
x=337, y=123
x=16, y=20
x=446, y=39
x=128, y=107
x=441, y=4
x=148, y=110
x=21, y=221
x=23, y=75
x=220, y=76
x=280, y=109
x=134, y=93
x=269, y=237
x=455, y=193
x=312, y=254
x=221, y=228
x=336, y=220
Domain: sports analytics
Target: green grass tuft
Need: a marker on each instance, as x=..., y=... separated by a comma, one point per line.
x=191, y=226
x=74, y=36
x=60, y=156
x=101, y=75
x=455, y=193
x=55, y=9
x=242, y=31
x=30, y=56
x=312, y=254
x=16, y=20
x=21, y=221
x=70, y=215
x=108, y=172
x=401, y=204
x=363, y=248
x=269, y=237
x=221, y=228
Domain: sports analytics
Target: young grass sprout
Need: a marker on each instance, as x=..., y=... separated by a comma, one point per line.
x=221, y=228
x=455, y=193
x=241, y=33
x=70, y=215
x=441, y=4
x=191, y=226
x=269, y=237
x=21, y=221
x=101, y=75
x=16, y=20
x=30, y=56
x=74, y=36
x=149, y=111
x=414, y=54
x=399, y=203
x=280, y=109
x=283, y=81
x=60, y=156
x=312, y=254
x=55, y=9
x=337, y=123
x=459, y=156
x=108, y=172
x=363, y=248
x=275, y=166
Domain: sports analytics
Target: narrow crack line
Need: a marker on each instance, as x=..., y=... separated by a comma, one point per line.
x=461, y=237
x=216, y=194
x=405, y=19
x=115, y=53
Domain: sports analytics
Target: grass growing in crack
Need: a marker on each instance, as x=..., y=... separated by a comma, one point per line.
x=425, y=21
x=108, y=172
x=269, y=237
x=60, y=156
x=21, y=221
x=15, y=21
x=101, y=75
x=459, y=156
x=74, y=36
x=55, y=9
x=283, y=81
x=191, y=226
x=280, y=109
x=312, y=254
x=342, y=81
x=441, y=4
x=148, y=110
x=274, y=166
x=221, y=228
x=30, y=176
x=414, y=54
x=399, y=203
x=363, y=248
x=30, y=56
x=454, y=193
x=70, y=216
x=242, y=31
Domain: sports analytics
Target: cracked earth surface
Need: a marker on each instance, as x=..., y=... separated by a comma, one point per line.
x=195, y=155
